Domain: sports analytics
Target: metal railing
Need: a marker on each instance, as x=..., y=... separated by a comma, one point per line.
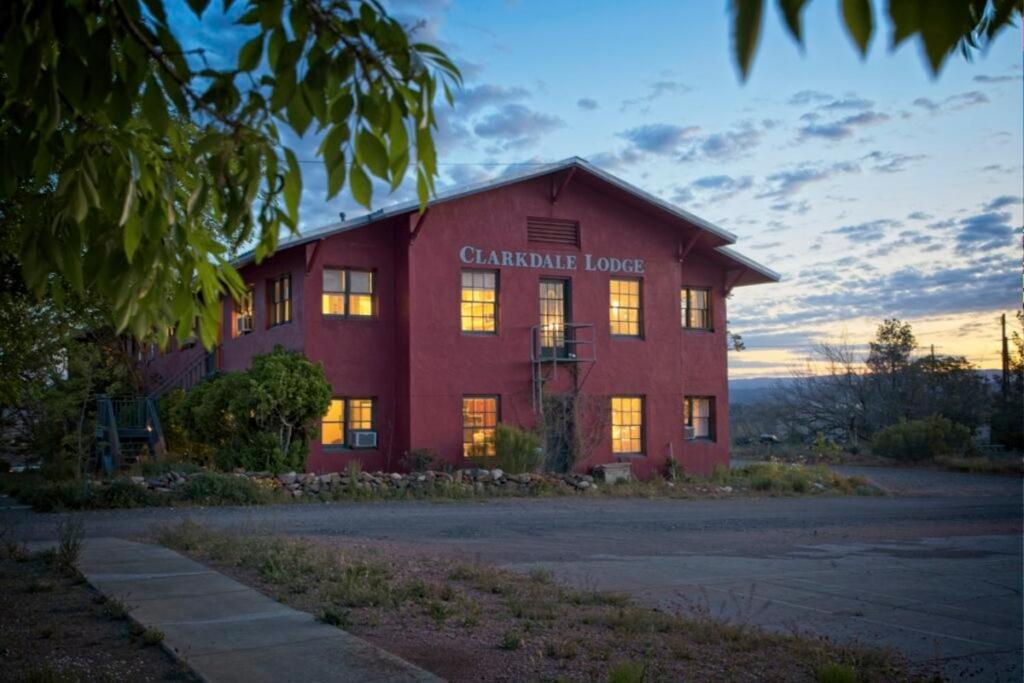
x=552, y=344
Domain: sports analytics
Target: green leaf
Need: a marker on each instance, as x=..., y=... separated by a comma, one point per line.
x=299, y=115
x=335, y=178
x=154, y=107
x=371, y=152
x=132, y=236
x=292, y=185
x=746, y=32
x=791, y=10
x=249, y=56
x=362, y=190
x=859, y=22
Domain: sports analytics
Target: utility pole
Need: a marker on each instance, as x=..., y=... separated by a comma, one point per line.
x=1006, y=358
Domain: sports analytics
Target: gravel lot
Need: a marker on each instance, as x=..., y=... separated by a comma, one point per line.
x=934, y=571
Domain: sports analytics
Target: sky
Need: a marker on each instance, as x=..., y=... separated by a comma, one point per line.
x=876, y=190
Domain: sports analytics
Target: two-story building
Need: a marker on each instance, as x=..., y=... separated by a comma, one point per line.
x=563, y=297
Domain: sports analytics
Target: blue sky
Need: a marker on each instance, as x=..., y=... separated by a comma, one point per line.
x=876, y=190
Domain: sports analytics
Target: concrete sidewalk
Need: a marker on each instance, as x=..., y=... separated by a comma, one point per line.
x=226, y=631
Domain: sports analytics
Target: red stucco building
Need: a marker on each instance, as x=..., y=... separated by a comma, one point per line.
x=560, y=292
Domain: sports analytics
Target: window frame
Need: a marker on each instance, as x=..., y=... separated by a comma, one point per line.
x=346, y=293
x=346, y=423
x=237, y=313
x=643, y=426
x=712, y=416
x=685, y=310
x=496, y=304
x=465, y=428
x=639, y=309
x=273, y=304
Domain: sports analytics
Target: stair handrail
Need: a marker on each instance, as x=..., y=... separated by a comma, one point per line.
x=179, y=378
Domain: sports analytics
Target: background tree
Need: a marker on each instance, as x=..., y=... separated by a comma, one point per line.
x=941, y=26
x=888, y=364
x=1008, y=407
x=152, y=167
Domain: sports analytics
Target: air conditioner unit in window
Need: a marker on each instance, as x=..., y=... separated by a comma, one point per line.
x=362, y=438
x=244, y=325
x=689, y=433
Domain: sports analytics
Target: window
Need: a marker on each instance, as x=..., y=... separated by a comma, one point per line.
x=279, y=296
x=695, y=307
x=348, y=293
x=624, y=307
x=345, y=415
x=480, y=301
x=627, y=424
x=479, y=419
x=244, y=314
x=699, y=417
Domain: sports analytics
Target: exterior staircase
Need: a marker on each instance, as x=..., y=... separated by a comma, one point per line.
x=127, y=430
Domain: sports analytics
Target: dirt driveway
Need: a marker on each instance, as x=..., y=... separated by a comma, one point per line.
x=934, y=571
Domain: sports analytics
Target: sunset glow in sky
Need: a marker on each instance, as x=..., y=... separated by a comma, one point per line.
x=876, y=190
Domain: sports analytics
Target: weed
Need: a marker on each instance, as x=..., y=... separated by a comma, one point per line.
x=40, y=586
x=439, y=611
x=471, y=614
x=123, y=493
x=835, y=673
x=211, y=488
x=540, y=575
x=561, y=649
x=416, y=589
x=341, y=618
x=627, y=672
x=69, y=545
x=462, y=572
x=115, y=609
x=152, y=636
x=511, y=641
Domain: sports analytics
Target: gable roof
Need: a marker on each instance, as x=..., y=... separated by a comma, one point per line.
x=656, y=203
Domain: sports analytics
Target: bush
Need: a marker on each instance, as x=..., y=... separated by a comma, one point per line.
x=420, y=459
x=122, y=493
x=922, y=439
x=517, y=450
x=212, y=489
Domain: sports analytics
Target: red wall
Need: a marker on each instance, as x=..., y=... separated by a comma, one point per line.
x=413, y=358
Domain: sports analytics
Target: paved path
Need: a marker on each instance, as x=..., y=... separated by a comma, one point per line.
x=226, y=631
x=935, y=571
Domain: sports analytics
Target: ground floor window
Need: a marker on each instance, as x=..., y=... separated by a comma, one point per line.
x=698, y=416
x=627, y=424
x=479, y=420
x=344, y=416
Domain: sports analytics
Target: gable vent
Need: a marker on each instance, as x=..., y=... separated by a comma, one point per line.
x=553, y=231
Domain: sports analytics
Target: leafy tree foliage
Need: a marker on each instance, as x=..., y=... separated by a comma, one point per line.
x=942, y=26
x=1008, y=408
x=259, y=419
x=150, y=166
x=922, y=439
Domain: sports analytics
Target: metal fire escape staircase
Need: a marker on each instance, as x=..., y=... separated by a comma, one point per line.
x=574, y=346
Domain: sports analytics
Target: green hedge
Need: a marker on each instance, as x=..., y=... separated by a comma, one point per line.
x=922, y=439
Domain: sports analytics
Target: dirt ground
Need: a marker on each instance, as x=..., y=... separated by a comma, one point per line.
x=55, y=629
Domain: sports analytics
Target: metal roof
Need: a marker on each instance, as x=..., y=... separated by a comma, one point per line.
x=510, y=179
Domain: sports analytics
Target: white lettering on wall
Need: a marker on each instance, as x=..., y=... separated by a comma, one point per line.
x=474, y=256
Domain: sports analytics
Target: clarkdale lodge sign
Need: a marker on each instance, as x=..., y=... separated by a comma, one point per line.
x=471, y=256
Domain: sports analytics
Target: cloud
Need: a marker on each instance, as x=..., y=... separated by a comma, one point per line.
x=786, y=183
x=659, y=138
x=991, y=80
x=887, y=162
x=1003, y=202
x=842, y=128
x=871, y=231
x=953, y=102
x=808, y=97
x=984, y=232
x=849, y=103
x=725, y=146
x=657, y=89
x=712, y=188
x=798, y=208
x=918, y=216
x=586, y=103
x=472, y=100
x=515, y=126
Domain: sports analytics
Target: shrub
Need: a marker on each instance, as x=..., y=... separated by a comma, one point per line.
x=922, y=439
x=419, y=459
x=121, y=493
x=836, y=673
x=517, y=450
x=69, y=544
x=627, y=672
x=212, y=488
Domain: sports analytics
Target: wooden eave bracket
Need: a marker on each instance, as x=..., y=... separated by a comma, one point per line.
x=419, y=225
x=311, y=255
x=685, y=249
x=733, y=278
x=557, y=192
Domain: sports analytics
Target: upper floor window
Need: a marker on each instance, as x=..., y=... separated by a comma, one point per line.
x=625, y=308
x=699, y=417
x=244, y=314
x=279, y=300
x=695, y=307
x=479, y=302
x=479, y=424
x=627, y=424
x=348, y=293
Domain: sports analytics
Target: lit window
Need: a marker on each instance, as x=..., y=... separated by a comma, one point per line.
x=624, y=307
x=332, y=428
x=698, y=414
x=348, y=293
x=627, y=424
x=279, y=295
x=695, y=307
x=345, y=415
x=479, y=419
x=479, y=301
x=244, y=314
